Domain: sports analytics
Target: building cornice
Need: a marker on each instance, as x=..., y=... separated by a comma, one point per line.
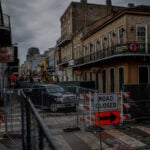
x=131, y=11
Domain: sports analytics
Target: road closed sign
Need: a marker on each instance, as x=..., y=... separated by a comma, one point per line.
x=104, y=102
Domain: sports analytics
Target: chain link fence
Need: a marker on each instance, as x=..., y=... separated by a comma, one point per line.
x=12, y=112
x=22, y=120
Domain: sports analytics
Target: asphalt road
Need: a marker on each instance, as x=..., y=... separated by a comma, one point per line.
x=129, y=136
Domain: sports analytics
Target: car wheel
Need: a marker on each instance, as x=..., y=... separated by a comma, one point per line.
x=53, y=108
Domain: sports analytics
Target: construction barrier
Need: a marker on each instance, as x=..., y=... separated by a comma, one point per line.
x=85, y=110
x=125, y=105
x=96, y=109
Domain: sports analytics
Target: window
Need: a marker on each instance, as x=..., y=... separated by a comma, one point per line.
x=77, y=52
x=121, y=78
x=96, y=45
x=141, y=37
x=111, y=44
x=96, y=81
x=91, y=51
x=102, y=43
x=85, y=76
x=104, y=80
x=85, y=51
x=143, y=74
x=90, y=76
x=96, y=48
x=120, y=35
x=103, y=46
x=112, y=80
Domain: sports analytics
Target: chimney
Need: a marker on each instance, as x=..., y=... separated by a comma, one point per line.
x=84, y=15
x=84, y=1
x=131, y=5
x=109, y=7
x=108, y=2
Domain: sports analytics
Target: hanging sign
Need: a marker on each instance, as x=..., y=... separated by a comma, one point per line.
x=133, y=47
x=6, y=54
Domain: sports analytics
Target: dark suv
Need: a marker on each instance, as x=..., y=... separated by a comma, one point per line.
x=52, y=96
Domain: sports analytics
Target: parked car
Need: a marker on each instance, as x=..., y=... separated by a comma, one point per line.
x=26, y=87
x=52, y=96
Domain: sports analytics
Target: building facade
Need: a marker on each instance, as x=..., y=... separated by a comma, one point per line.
x=76, y=18
x=117, y=52
x=9, y=61
x=112, y=50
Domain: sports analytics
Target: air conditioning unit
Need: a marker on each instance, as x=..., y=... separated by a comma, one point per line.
x=71, y=62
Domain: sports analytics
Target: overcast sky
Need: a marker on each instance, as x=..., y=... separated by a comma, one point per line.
x=36, y=23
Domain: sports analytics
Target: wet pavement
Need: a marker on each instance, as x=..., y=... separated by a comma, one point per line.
x=130, y=136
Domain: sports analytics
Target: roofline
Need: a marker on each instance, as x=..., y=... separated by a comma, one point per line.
x=71, y=3
x=120, y=13
x=78, y=3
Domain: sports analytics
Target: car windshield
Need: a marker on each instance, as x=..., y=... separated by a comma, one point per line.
x=55, y=89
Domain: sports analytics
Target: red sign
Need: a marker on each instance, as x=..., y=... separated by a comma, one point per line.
x=77, y=72
x=107, y=117
x=6, y=54
x=133, y=47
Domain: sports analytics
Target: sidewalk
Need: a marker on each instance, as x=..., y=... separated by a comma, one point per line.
x=8, y=144
x=5, y=142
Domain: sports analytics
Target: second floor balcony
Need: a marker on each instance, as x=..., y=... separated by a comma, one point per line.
x=128, y=49
x=5, y=22
x=63, y=40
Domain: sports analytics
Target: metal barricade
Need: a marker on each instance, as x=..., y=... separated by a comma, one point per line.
x=140, y=100
x=36, y=134
x=12, y=112
x=98, y=109
x=22, y=119
x=85, y=99
x=112, y=109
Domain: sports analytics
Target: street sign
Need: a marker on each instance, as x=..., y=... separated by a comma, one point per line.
x=107, y=117
x=105, y=102
x=6, y=54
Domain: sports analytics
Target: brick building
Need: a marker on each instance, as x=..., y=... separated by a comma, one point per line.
x=76, y=18
x=112, y=50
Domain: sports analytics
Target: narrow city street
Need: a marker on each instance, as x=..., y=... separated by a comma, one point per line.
x=89, y=56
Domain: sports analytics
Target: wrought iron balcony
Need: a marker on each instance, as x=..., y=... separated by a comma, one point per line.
x=128, y=49
x=65, y=60
x=63, y=40
x=5, y=22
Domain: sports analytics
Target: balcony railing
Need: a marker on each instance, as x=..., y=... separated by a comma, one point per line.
x=65, y=60
x=5, y=22
x=128, y=49
x=62, y=40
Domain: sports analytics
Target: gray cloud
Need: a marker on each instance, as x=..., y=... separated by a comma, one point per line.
x=37, y=22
